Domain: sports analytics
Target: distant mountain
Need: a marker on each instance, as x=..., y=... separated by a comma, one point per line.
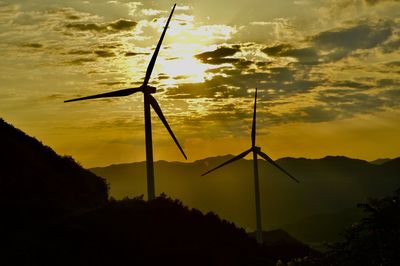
x=328, y=185
x=33, y=177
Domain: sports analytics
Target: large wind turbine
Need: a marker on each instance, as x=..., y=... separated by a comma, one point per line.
x=149, y=100
x=256, y=151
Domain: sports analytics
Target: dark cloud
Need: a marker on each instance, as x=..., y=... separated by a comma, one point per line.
x=219, y=56
x=331, y=46
x=392, y=97
x=280, y=79
x=277, y=50
x=374, y=2
x=162, y=76
x=362, y=36
x=350, y=103
x=80, y=61
x=134, y=54
x=122, y=24
x=393, y=64
x=303, y=55
x=79, y=52
x=392, y=45
x=104, y=53
x=310, y=114
x=32, y=45
x=350, y=84
x=308, y=55
x=86, y=27
x=340, y=43
x=111, y=83
x=388, y=83
x=119, y=25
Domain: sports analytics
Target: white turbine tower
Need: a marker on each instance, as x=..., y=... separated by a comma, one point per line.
x=256, y=151
x=149, y=100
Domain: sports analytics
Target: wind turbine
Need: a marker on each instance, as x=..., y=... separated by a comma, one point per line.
x=256, y=151
x=149, y=100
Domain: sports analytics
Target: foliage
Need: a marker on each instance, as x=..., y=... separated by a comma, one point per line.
x=375, y=240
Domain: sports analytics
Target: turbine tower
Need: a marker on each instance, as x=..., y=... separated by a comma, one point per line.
x=256, y=151
x=149, y=100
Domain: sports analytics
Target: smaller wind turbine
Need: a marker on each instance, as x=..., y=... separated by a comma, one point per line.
x=256, y=151
x=149, y=100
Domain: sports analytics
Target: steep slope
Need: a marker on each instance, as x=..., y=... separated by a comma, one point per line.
x=33, y=177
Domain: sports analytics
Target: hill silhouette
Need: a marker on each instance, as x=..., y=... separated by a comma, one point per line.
x=56, y=213
x=329, y=187
x=282, y=246
x=34, y=177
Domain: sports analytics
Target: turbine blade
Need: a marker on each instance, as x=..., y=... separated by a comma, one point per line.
x=124, y=92
x=240, y=156
x=155, y=54
x=160, y=114
x=268, y=159
x=253, y=128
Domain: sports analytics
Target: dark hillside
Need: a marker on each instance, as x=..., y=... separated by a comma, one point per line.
x=159, y=232
x=33, y=176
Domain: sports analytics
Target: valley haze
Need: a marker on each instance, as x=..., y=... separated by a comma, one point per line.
x=328, y=193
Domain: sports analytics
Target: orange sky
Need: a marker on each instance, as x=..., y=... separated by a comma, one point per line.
x=327, y=73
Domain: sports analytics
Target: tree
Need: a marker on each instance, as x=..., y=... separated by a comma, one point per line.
x=375, y=240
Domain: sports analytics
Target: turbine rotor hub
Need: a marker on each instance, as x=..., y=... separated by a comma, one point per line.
x=257, y=149
x=151, y=89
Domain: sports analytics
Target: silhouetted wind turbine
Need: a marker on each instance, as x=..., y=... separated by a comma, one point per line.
x=256, y=151
x=149, y=100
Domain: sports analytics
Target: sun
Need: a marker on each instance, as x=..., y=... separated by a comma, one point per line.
x=183, y=69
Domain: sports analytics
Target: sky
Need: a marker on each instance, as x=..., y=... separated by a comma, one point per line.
x=327, y=73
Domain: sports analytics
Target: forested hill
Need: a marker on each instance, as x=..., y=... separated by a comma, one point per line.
x=33, y=176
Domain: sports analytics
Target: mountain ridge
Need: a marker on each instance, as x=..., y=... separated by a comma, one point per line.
x=327, y=185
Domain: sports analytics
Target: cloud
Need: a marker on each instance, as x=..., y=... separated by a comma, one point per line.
x=392, y=45
x=80, y=61
x=104, y=53
x=135, y=53
x=342, y=42
x=308, y=55
x=79, y=52
x=310, y=114
x=280, y=80
x=393, y=64
x=119, y=25
x=151, y=12
x=276, y=50
x=336, y=44
x=362, y=36
x=32, y=45
x=374, y=2
x=219, y=56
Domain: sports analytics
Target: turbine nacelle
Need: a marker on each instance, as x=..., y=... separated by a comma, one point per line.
x=256, y=149
x=149, y=89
